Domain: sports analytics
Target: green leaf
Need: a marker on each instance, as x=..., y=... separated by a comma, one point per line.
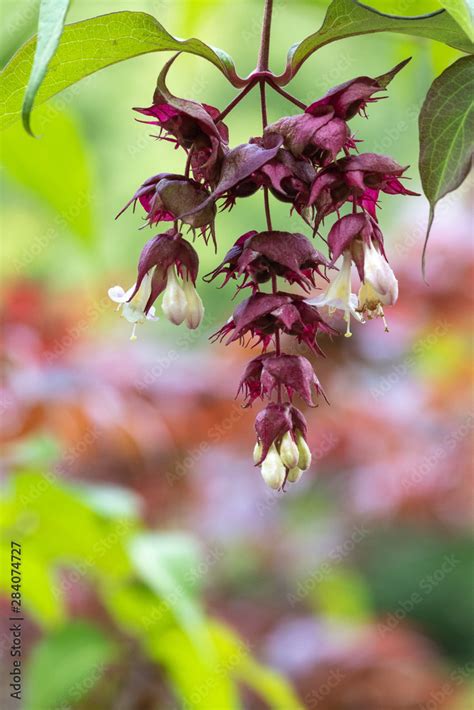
x=273, y=688
x=168, y=563
x=201, y=683
x=446, y=134
x=52, y=14
x=79, y=537
x=461, y=11
x=56, y=169
x=91, y=45
x=346, y=18
x=65, y=665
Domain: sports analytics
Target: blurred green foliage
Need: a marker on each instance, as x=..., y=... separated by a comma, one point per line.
x=145, y=583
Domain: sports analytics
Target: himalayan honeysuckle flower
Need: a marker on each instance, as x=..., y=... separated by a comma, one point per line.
x=168, y=198
x=379, y=287
x=192, y=126
x=339, y=295
x=240, y=172
x=359, y=179
x=258, y=255
x=350, y=233
x=281, y=449
x=166, y=259
x=349, y=99
x=264, y=314
x=134, y=311
x=269, y=371
x=315, y=134
x=309, y=161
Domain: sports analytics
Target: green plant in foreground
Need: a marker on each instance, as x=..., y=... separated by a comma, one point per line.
x=149, y=586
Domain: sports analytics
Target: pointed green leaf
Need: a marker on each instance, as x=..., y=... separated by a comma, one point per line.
x=346, y=18
x=52, y=14
x=91, y=45
x=446, y=133
x=56, y=169
x=166, y=562
x=462, y=12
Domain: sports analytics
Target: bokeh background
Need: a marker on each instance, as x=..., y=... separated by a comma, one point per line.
x=158, y=571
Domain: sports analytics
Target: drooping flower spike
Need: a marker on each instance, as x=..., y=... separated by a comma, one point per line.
x=308, y=161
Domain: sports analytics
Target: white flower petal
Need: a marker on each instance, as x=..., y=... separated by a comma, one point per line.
x=379, y=275
x=118, y=295
x=151, y=315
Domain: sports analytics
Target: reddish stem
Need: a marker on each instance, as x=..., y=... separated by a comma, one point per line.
x=266, y=202
x=262, y=66
x=236, y=100
x=187, y=168
x=287, y=96
x=263, y=54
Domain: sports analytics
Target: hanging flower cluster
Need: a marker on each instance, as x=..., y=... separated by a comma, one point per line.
x=310, y=161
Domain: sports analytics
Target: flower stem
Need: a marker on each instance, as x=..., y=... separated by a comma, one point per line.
x=266, y=203
x=235, y=101
x=263, y=54
x=287, y=96
x=187, y=168
x=263, y=104
x=262, y=65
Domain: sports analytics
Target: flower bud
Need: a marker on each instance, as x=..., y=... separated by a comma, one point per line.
x=174, y=304
x=195, y=309
x=289, y=453
x=257, y=452
x=304, y=460
x=272, y=469
x=294, y=474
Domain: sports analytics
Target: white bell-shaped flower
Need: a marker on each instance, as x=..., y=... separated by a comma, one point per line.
x=339, y=296
x=174, y=303
x=272, y=469
x=194, y=306
x=134, y=311
x=379, y=287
